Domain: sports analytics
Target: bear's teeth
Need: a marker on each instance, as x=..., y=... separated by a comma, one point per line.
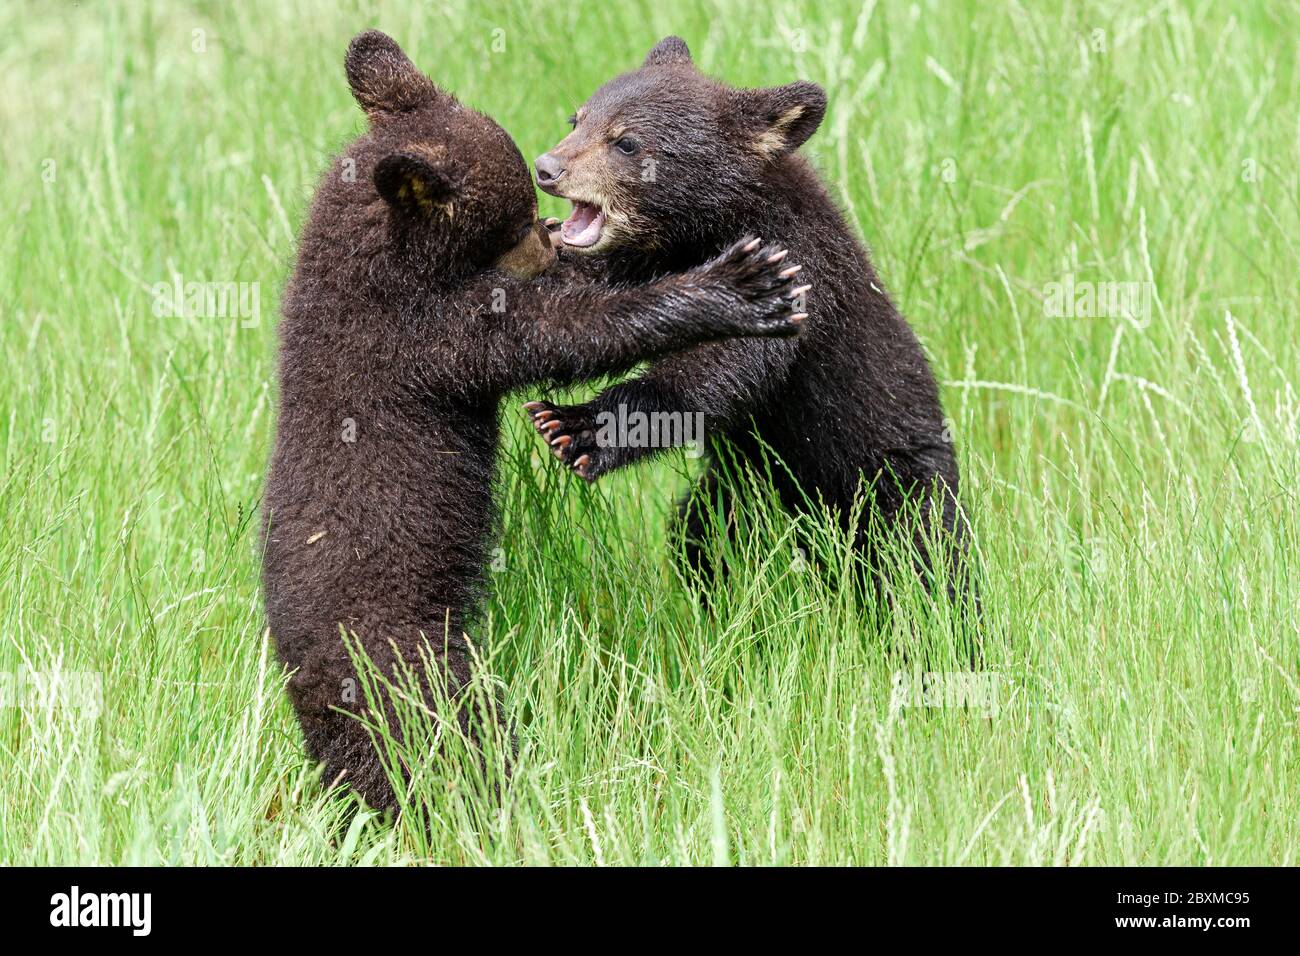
x=584, y=226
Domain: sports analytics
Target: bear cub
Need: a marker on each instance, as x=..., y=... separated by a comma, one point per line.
x=665, y=167
x=413, y=309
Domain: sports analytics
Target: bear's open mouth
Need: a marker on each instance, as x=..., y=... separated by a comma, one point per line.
x=584, y=226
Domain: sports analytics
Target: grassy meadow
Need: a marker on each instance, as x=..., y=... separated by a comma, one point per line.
x=1088, y=212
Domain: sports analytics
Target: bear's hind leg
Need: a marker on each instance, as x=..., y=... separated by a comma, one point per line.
x=705, y=518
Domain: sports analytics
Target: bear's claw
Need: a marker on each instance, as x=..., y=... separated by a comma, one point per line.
x=568, y=433
x=762, y=277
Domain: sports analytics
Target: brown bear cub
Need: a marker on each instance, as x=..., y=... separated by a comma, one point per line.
x=665, y=167
x=411, y=312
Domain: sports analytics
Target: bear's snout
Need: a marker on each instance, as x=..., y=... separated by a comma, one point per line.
x=549, y=170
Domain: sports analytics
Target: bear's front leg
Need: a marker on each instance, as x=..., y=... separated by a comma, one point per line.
x=711, y=382
x=722, y=382
x=586, y=438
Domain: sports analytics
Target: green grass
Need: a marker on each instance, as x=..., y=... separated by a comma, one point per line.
x=1132, y=483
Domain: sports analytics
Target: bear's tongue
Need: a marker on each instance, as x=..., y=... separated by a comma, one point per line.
x=584, y=226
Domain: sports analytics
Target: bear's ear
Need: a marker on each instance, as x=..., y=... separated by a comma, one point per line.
x=382, y=78
x=668, y=51
x=416, y=183
x=778, y=120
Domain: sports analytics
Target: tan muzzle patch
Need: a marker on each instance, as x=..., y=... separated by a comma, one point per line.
x=529, y=257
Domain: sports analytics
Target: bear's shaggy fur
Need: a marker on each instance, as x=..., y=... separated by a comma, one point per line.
x=672, y=166
x=401, y=331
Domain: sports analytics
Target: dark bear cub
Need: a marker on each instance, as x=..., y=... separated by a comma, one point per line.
x=410, y=313
x=665, y=167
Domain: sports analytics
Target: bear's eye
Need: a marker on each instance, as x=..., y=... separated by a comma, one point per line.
x=627, y=146
x=572, y=120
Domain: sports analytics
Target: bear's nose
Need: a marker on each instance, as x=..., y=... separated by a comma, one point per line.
x=549, y=170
